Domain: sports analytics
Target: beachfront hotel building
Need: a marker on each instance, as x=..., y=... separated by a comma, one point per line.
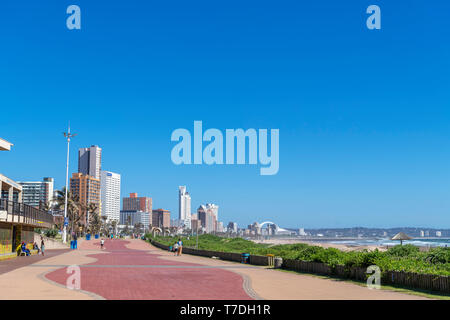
x=90, y=161
x=87, y=188
x=37, y=193
x=161, y=218
x=184, y=207
x=135, y=203
x=17, y=220
x=110, y=195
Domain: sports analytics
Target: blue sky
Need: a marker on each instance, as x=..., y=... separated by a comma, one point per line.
x=363, y=115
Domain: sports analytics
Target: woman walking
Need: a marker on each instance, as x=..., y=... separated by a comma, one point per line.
x=42, y=246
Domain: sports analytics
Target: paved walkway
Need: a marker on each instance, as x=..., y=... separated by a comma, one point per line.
x=15, y=263
x=133, y=269
x=131, y=273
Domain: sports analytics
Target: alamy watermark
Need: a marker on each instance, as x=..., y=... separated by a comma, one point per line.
x=235, y=140
x=73, y=282
x=73, y=22
x=374, y=281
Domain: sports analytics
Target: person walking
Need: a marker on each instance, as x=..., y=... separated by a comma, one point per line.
x=180, y=246
x=42, y=246
x=75, y=241
x=102, y=243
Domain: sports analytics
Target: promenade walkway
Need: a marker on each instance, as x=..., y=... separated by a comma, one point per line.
x=133, y=269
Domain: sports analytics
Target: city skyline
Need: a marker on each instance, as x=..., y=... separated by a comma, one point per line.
x=362, y=114
x=242, y=223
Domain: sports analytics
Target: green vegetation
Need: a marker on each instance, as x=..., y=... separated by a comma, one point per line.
x=51, y=233
x=406, y=258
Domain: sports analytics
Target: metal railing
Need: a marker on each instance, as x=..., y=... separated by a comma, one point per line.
x=31, y=215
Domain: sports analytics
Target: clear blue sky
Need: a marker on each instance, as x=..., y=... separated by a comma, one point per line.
x=363, y=115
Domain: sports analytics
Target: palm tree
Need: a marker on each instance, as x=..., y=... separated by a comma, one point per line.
x=126, y=230
x=105, y=225
x=94, y=223
x=91, y=210
x=74, y=207
x=114, y=226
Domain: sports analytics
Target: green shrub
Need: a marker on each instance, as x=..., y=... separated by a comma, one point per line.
x=51, y=233
x=330, y=256
x=438, y=255
x=403, y=251
x=399, y=258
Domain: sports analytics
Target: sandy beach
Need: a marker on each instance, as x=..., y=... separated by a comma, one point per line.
x=343, y=247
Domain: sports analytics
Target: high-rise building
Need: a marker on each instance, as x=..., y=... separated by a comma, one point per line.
x=135, y=203
x=232, y=227
x=87, y=188
x=36, y=193
x=161, y=218
x=207, y=214
x=90, y=161
x=184, y=206
x=110, y=195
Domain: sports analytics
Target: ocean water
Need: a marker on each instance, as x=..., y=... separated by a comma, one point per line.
x=444, y=242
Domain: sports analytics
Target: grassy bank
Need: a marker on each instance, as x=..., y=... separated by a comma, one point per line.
x=406, y=258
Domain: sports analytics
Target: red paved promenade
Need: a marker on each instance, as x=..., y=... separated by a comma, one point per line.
x=124, y=273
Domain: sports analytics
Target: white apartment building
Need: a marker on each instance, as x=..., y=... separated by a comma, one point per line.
x=110, y=195
x=36, y=192
x=184, y=206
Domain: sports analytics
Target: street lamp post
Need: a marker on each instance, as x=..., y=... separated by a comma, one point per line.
x=68, y=135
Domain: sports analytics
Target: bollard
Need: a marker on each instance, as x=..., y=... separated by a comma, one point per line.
x=278, y=262
x=270, y=260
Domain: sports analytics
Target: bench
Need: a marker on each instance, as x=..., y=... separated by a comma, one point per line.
x=32, y=252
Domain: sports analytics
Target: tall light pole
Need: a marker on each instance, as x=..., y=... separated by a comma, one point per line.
x=68, y=135
x=197, y=234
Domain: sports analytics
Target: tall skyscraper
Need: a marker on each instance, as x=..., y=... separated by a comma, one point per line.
x=90, y=161
x=135, y=203
x=87, y=188
x=110, y=195
x=35, y=193
x=184, y=206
